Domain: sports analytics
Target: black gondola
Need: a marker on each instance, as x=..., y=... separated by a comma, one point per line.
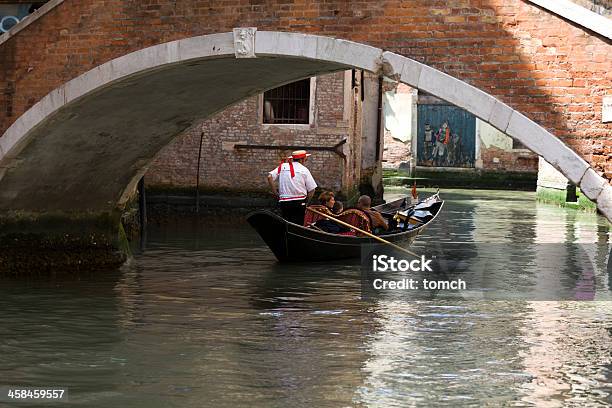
x=295, y=243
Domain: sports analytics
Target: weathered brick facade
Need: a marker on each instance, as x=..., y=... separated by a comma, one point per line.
x=494, y=151
x=554, y=72
x=225, y=168
x=396, y=152
x=494, y=158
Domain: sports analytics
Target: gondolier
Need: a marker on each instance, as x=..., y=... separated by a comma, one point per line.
x=295, y=186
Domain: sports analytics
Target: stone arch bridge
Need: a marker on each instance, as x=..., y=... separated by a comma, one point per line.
x=92, y=90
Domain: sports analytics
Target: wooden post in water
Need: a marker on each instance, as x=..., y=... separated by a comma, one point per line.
x=142, y=211
x=198, y=176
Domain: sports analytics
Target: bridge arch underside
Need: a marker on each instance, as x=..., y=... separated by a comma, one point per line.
x=67, y=163
x=82, y=158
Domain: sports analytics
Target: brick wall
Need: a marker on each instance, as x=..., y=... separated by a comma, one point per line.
x=224, y=168
x=395, y=152
x=550, y=70
x=495, y=150
x=494, y=158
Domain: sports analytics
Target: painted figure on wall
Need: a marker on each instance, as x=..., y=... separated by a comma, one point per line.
x=429, y=141
x=455, y=153
x=442, y=139
x=446, y=136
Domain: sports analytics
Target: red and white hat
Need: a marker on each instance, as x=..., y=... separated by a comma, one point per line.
x=299, y=154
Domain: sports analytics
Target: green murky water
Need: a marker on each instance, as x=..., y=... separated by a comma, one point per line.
x=206, y=317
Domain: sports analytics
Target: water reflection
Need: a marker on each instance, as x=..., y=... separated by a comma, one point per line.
x=206, y=317
x=445, y=354
x=497, y=353
x=53, y=331
x=568, y=343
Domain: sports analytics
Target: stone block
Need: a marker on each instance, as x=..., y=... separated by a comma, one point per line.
x=85, y=83
x=527, y=132
x=604, y=202
x=500, y=115
x=13, y=136
x=281, y=43
x=145, y=59
x=349, y=53
x=411, y=73
x=566, y=160
x=393, y=65
x=206, y=46
x=542, y=142
x=592, y=184
x=401, y=68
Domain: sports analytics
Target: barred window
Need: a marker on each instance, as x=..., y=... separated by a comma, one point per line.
x=288, y=104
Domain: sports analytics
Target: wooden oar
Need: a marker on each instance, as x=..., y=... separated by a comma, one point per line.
x=346, y=224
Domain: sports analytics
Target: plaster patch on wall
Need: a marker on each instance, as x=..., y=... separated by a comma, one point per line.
x=491, y=137
x=397, y=108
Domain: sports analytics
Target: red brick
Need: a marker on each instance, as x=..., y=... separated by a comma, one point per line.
x=245, y=170
x=78, y=36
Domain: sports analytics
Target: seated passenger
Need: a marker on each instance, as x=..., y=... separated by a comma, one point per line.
x=377, y=221
x=338, y=207
x=328, y=199
x=323, y=207
x=356, y=218
x=326, y=205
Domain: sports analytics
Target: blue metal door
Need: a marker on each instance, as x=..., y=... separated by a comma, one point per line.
x=446, y=136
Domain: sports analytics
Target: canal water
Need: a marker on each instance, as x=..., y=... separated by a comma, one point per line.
x=205, y=317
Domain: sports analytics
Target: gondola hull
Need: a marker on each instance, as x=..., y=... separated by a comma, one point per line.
x=294, y=243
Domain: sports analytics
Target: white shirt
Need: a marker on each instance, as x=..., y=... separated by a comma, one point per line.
x=293, y=188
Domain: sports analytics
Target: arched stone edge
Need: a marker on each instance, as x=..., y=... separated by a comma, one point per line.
x=351, y=54
x=105, y=75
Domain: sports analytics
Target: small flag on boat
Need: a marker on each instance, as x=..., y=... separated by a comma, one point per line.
x=414, y=192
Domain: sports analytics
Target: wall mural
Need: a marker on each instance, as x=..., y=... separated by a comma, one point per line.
x=446, y=136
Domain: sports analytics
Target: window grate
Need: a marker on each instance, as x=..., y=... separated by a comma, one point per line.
x=288, y=104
